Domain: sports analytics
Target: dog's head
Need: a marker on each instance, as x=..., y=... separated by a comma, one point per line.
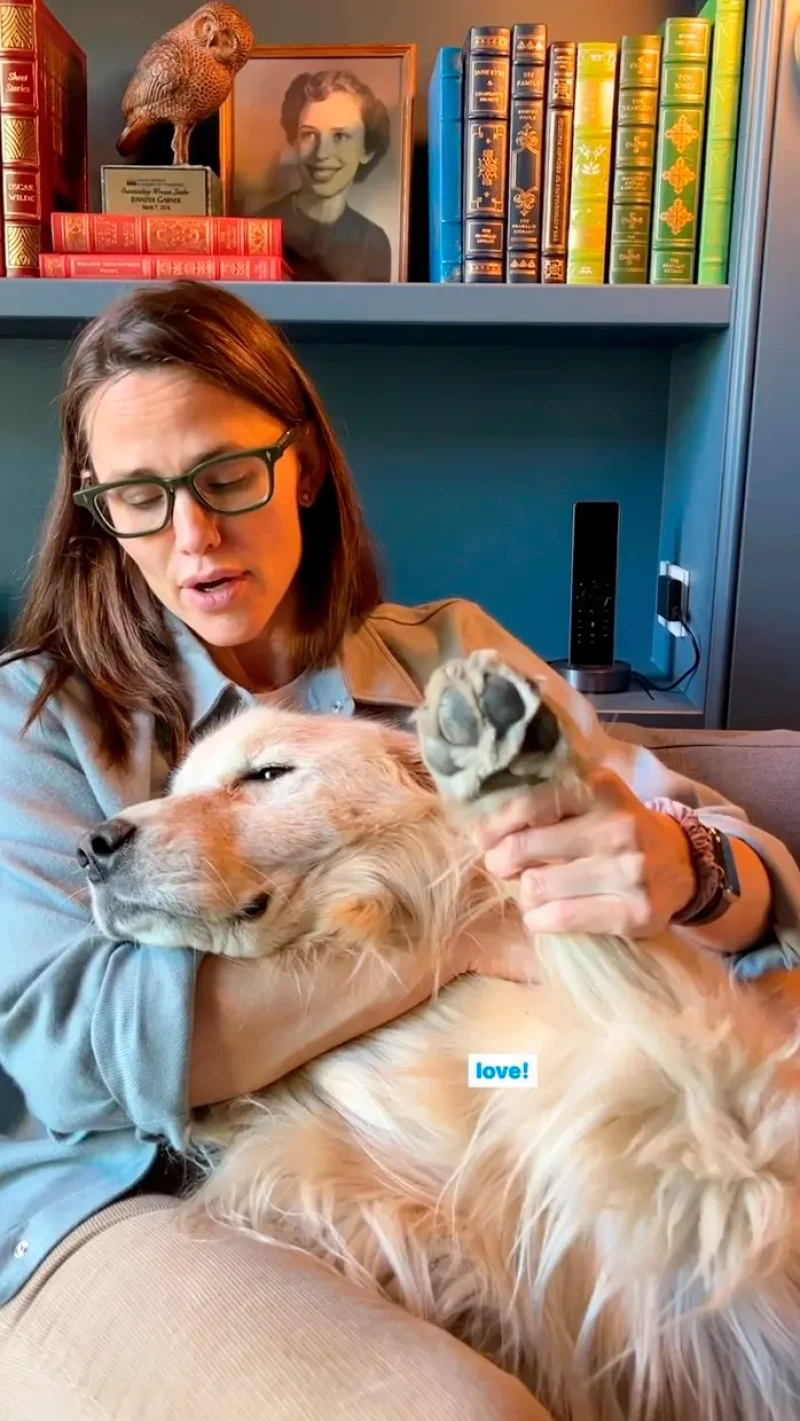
x=277, y=827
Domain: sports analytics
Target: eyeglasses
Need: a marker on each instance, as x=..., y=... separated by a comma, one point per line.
x=228, y=484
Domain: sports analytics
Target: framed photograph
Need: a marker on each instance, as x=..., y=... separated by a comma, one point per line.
x=322, y=137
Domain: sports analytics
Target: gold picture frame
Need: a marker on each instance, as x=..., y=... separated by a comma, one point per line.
x=257, y=122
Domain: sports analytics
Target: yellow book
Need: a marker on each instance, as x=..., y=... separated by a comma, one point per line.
x=595, y=96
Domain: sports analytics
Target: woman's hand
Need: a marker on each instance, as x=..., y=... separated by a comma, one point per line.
x=593, y=860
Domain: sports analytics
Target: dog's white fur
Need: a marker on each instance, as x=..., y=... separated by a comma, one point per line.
x=624, y=1236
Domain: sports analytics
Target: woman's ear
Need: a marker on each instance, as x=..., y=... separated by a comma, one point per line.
x=313, y=466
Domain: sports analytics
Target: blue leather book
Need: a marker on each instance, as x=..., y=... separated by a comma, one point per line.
x=445, y=165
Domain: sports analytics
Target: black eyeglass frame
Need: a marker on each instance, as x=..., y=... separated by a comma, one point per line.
x=87, y=496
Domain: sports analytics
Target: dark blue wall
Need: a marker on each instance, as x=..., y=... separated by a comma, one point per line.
x=468, y=463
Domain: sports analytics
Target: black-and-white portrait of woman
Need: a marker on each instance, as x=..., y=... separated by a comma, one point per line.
x=326, y=149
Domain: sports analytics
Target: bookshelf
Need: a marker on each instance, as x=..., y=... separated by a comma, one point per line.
x=473, y=417
x=54, y=308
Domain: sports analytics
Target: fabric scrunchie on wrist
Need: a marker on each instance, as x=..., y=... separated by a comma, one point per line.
x=708, y=874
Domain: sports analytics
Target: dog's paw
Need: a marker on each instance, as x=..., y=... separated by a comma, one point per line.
x=483, y=728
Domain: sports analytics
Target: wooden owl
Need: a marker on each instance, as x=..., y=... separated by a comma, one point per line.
x=185, y=77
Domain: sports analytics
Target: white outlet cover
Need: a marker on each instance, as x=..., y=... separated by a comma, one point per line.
x=671, y=569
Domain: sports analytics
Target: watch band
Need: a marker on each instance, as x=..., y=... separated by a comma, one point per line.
x=713, y=862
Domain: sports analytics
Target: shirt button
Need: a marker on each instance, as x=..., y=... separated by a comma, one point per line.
x=337, y=707
x=22, y=1248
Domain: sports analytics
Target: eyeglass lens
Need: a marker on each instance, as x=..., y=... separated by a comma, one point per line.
x=229, y=486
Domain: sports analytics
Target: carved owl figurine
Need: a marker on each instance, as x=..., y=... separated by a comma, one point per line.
x=185, y=77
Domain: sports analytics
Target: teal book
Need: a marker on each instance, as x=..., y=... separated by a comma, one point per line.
x=445, y=165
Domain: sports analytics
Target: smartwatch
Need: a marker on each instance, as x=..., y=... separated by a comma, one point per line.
x=714, y=865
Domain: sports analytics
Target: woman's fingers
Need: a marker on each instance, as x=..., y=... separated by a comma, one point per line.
x=546, y=804
x=582, y=878
x=624, y=916
x=592, y=835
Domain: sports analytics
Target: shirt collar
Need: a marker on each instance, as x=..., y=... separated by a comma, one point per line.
x=373, y=675
x=366, y=671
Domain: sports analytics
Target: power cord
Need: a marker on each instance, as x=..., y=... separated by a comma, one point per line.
x=650, y=686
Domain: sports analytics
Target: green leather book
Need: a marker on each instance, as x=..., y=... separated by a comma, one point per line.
x=683, y=98
x=724, y=92
x=634, y=159
x=595, y=89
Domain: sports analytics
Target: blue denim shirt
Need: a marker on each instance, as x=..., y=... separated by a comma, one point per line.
x=95, y=1034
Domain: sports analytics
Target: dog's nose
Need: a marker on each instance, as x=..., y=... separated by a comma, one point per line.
x=97, y=849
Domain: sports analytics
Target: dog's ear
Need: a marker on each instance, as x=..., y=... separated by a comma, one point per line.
x=361, y=921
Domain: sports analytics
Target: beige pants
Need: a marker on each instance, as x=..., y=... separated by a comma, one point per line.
x=130, y=1321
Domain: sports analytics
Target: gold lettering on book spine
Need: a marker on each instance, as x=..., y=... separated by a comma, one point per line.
x=19, y=139
x=16, y=27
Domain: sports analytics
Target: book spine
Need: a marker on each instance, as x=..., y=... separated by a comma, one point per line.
x=683, y=98
x=445, y=159
x=175, y=236
x=2, y=222
x=525, y=151
x=595, y=90
x=20, y=137
x=94, y=266
x=724, y=94
x=43, y=129
x=634, y=159
x=559, y=116
x=487, y=79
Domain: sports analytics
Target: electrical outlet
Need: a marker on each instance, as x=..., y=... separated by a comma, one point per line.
x=676, y=574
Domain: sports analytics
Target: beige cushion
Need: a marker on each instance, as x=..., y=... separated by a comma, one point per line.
x=758, y=769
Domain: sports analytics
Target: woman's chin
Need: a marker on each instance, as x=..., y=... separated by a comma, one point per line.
x=229, y=627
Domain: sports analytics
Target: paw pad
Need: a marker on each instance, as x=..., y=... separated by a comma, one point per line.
x=483, y=727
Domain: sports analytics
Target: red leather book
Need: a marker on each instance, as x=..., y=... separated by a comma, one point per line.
x=128, y=234
x=43, y=129
x=94, y=266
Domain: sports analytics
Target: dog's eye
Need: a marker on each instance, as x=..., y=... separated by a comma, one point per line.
x=265, y=773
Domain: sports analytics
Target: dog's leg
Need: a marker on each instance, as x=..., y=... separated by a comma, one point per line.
x=486, y=734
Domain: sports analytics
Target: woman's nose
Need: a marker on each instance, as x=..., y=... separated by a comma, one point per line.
x=194, y=527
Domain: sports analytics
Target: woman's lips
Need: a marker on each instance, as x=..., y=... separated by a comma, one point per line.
x=215, y=594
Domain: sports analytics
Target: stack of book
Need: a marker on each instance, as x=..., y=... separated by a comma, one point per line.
x=46, y=229
x=43, y=131
x=586, y=163
x=126, y=247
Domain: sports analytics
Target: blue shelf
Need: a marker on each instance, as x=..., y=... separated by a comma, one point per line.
x=413, y=311
x=666, y=708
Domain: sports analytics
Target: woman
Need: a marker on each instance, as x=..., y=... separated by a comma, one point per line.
x=205, y=548
x=340, y=132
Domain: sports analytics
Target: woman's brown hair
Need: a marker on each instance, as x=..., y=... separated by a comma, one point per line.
x=88, y=609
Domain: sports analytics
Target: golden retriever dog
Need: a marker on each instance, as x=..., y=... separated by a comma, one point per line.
x=622, y=1233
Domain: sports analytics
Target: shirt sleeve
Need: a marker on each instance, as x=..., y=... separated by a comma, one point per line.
x=95, y=1032
x=650, y=778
